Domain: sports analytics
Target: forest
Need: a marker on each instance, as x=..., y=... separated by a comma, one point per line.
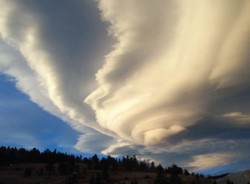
x=69, y=168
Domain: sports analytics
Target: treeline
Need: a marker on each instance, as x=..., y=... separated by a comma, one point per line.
x=17, y=156
x=93, y=169
x=10, y=156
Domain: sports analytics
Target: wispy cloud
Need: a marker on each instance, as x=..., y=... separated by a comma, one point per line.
x=206, y=161
x=237, y=117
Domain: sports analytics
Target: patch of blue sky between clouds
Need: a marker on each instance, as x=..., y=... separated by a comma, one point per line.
x=24, y=124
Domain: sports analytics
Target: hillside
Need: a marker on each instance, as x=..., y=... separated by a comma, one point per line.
x=36, y=173
x=35, y=167
x=236, y=178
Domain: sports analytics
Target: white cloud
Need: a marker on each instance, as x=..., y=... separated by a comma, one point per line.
x=157, y=79
x=206, y=161
x=237, y=117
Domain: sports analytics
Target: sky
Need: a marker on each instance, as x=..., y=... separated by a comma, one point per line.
x=167, y=80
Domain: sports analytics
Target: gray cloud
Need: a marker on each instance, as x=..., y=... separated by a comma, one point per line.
x=93, y=142
x=53, y=52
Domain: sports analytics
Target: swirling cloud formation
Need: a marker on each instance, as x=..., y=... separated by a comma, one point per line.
x=175, y=85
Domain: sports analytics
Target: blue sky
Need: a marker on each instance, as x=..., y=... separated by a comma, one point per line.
x=24, y=124
x=167, y=81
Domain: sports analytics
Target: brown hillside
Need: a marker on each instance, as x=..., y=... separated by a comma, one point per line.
x=36, y=173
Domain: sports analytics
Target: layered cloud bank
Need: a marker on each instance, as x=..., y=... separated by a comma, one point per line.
x=174, y=87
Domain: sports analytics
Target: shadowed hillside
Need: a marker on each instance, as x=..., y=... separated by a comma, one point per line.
x=242, y=177
x=32, y=166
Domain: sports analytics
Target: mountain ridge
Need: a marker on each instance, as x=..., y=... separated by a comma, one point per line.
x=241, y=177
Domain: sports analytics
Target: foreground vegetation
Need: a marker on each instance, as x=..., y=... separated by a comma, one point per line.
x=33, y=166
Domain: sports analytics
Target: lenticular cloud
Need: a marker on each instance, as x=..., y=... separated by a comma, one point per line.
x=175, y=68
x=170, y=57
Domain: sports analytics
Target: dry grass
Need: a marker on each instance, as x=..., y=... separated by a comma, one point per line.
x=14, y=174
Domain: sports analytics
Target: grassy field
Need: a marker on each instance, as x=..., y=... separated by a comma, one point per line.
x=31, y=173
